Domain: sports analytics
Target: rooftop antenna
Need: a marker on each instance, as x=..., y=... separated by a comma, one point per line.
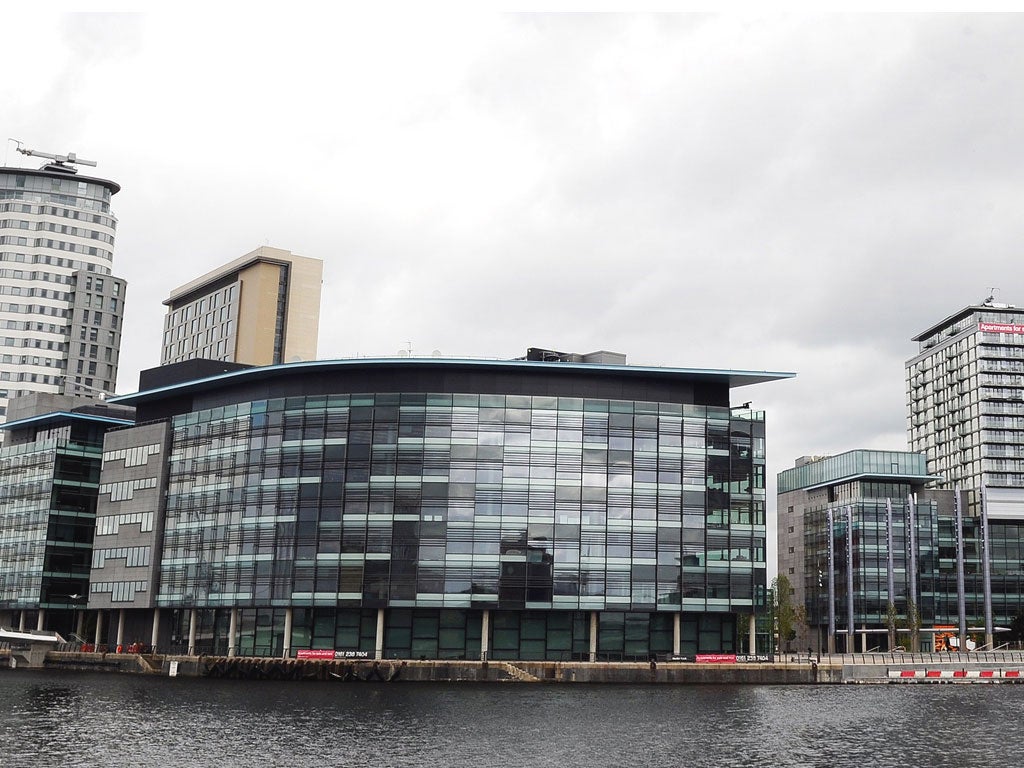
x=60, y=162
x=991, y=295
x=7, y=148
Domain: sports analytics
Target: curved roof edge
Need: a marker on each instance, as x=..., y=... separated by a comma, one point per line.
x=113, y=186
x=734, y=378
x=57, y=416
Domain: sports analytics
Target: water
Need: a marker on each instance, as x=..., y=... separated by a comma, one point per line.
x=79, y=719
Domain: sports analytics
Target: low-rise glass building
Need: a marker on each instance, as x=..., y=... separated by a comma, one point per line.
x=49, y=481
x=408, y=508
x=870, y=529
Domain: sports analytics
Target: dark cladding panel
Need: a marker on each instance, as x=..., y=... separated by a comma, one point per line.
x=187, y=370
x=382, y=378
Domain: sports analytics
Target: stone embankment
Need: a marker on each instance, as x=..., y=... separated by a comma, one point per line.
x=992, y=667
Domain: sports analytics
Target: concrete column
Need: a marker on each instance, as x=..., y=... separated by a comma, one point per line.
x=154, y=638
x=120, y=627
x=21, y=621
x=79, y=622
x=378, y=648
x=41, y=619
x=193, y=620
x=233, y=633
x=677, y=633
x=593, y=636
x=752, y=635
x=287, y=652
x=98, y=639
x=863, y=639
x=485, y=634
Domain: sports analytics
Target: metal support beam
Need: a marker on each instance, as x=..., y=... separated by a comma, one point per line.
x=986, y=567
x=286, y=651
x=961, y=598
x=193, y=620
x=593, y=636
x=378, y=646
x=830, y=522
x=850, y=647
x=233, y=632
x=154, y=637
x=485, y=634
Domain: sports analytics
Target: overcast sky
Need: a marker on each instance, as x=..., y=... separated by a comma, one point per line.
x=787, y=193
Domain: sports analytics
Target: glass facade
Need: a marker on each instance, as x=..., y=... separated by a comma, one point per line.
x=924, y=565
x=48, y=487
x=62, y=329
x=439, y=506
x=830, y=469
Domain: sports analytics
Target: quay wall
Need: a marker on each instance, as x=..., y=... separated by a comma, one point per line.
x=451, y=671
x=862, y=669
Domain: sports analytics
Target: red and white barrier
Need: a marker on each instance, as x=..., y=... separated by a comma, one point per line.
x=956, y=674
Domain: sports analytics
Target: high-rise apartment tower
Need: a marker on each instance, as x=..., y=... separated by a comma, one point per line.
x=260, y=309
x=965, y=395
x=60, y=305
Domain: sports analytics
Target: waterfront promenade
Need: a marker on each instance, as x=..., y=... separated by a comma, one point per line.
x=788, y=669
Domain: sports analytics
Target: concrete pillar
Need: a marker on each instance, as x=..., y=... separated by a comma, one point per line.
x=593, y=636
x=154, y=638
x=752, y=635
x=21, y=621
x=120, y=628
x=378, y=648
x=41, y=619
x=98, y=639
x=485, y=634
x=287, y=652
x=677, y=633
x=863, y=639
x=233, y=633
x=79, y=623
x=193, y=619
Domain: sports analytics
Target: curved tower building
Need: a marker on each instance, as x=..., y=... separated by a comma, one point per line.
x=60, y=305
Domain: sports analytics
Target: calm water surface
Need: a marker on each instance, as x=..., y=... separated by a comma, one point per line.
x=79, y=719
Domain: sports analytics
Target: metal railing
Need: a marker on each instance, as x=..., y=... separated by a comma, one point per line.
x=890, y=658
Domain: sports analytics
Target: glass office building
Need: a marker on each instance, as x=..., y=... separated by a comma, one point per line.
x=49, y=480
x=878, y=505
x=451, y=509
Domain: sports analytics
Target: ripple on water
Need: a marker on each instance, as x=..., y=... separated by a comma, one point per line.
x=104, y=720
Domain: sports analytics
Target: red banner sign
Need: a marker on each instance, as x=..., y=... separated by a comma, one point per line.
x=306, y=653
x=1000, y=328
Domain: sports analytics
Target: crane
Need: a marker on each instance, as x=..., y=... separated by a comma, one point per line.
x=69, y=158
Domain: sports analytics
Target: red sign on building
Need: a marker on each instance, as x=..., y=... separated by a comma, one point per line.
x=1000, y=328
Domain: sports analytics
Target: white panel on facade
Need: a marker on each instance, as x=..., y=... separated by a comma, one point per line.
x=1005, y=503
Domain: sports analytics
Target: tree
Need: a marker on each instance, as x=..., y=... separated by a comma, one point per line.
x=892, y=617
x=788, y=617
x=913, y=621
x=1017, y=628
